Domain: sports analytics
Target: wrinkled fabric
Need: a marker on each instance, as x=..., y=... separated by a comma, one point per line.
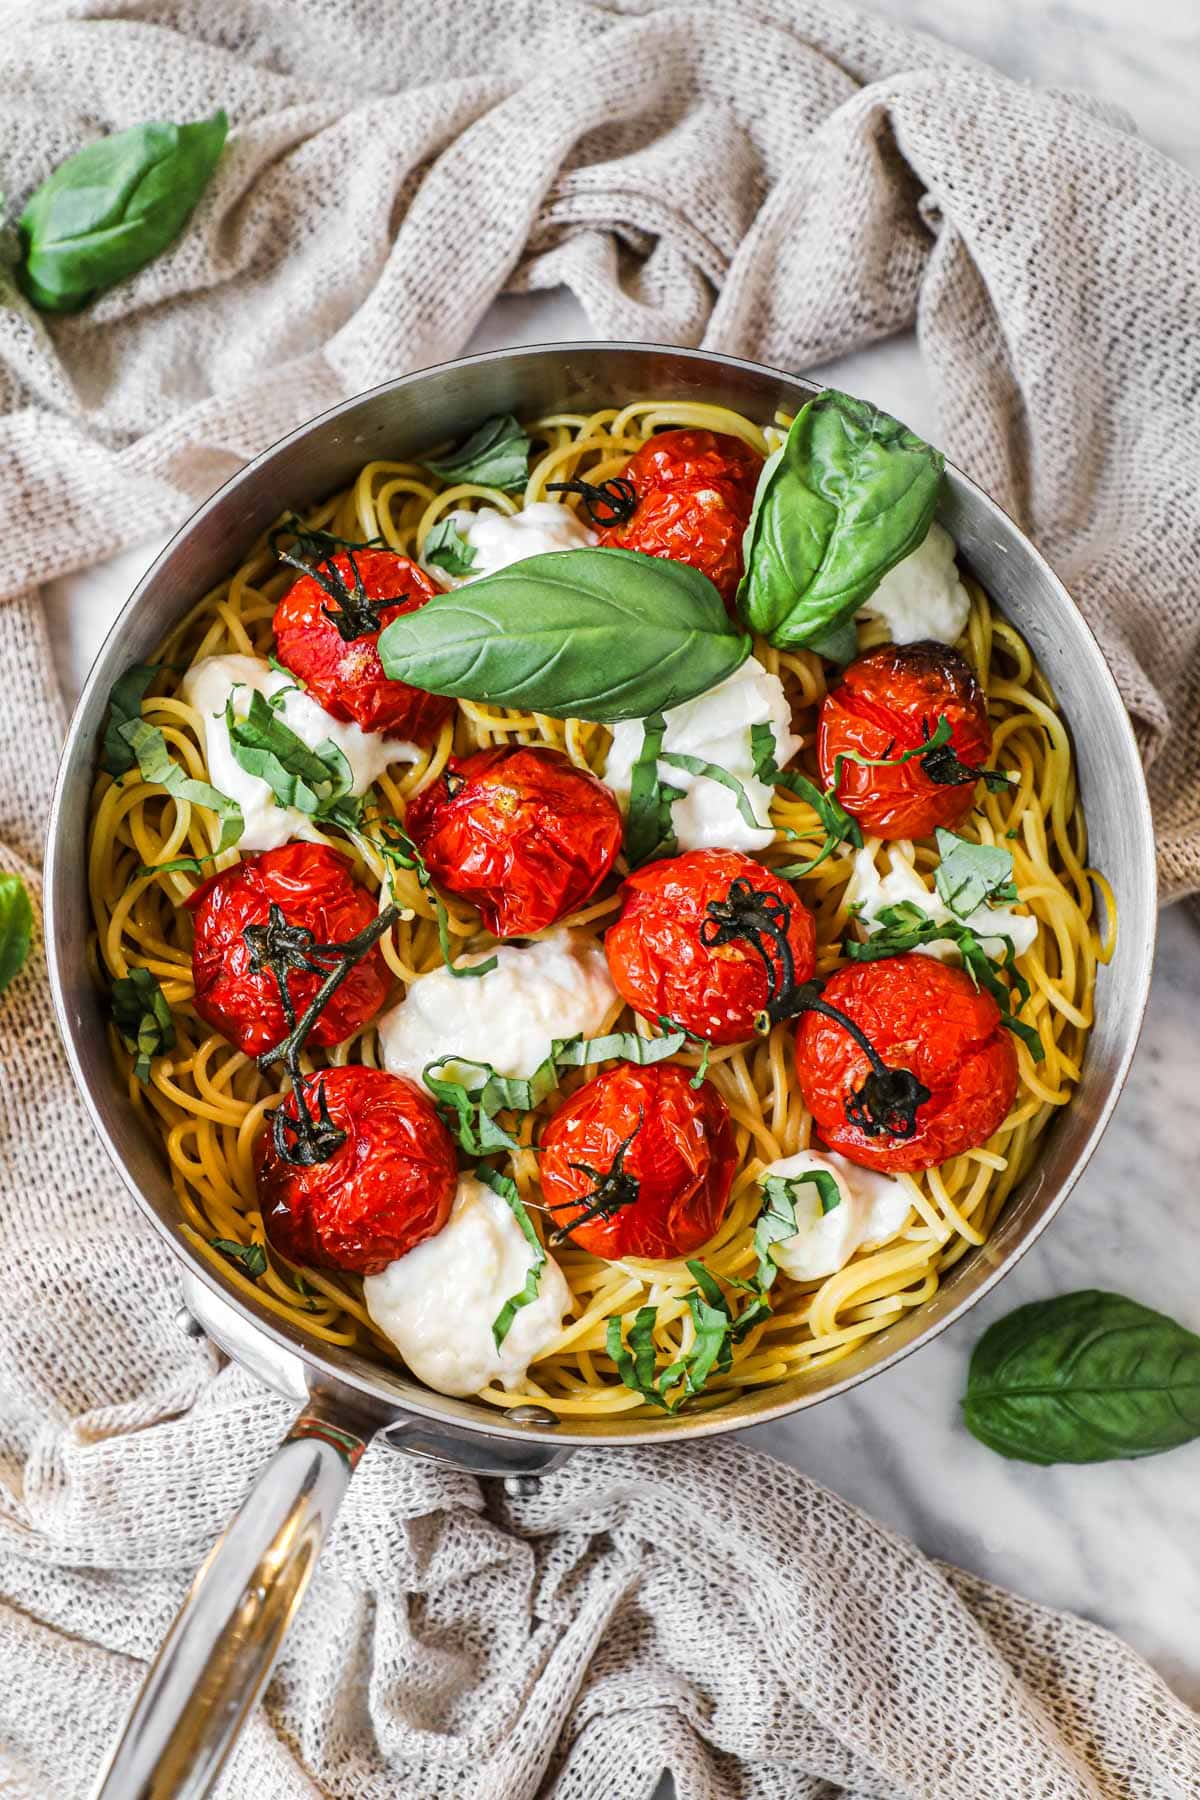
x=786, y=181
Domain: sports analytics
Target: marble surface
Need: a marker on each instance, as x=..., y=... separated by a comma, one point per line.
x=1116, y=1542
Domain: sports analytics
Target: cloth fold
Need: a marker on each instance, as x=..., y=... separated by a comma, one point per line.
x=784, y=180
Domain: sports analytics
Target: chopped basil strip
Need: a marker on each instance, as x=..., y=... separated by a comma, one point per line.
x=16, y=927
x=399, y=852
x=506, y=1187
x=251, y=1257
x=124, y=705
x=194, y=865
x=696, y=765
x=711, y=1351
x=936, y=757
x=497, y=455
x=906, y=927
x=446, y=548
x=840, y=828
x=649, y=832
x=471, y=1106
x=155, y=764
x=143, y=1018
x=282, y=669
x=312, y=781
x=972, y=875
x=668, y=1025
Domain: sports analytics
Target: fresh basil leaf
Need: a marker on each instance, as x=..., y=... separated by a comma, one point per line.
x=156, y=765
x=711, y=1351
x=851, y=493
x=649, y=832
x=906, y=927
x=497, y=455
x=251, y=1258
x=696, y=765
x=840, y=828
x=601, y=634
x=446, y=548
x=506, y=1187
x=398, y=851
x=194, y=865
x=16, y=927
x=839, y=645
x=777, y=1220
x=282, y=669
x=113, y=207
x=143, y=1018
x=124, y=705
x=1085, y=1377
x=266, y=746
x=972, y=875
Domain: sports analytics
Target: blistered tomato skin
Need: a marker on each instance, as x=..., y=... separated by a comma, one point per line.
x=887, y=702
x=660, y=964
x=681, y=1155
x=921, y=1015
x=347, y=678
x=695, y=492
x=313, y=887
x=519, y=832
x=386, y=1189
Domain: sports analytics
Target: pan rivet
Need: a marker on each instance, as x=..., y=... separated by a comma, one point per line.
x=529, y=1414
x=188, y=1323
x=521, y=1487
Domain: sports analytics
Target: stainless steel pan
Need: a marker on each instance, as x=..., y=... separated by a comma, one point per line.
x=221, y=1648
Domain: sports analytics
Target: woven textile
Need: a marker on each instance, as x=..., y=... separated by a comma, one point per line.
x=781, y=180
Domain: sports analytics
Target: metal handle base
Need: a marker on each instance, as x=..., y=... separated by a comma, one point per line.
x=222, y=1646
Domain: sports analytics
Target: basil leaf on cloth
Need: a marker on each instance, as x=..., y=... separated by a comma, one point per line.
x=143, y=1018
x=506, y=1187
x=497, y=455
x=264, y=745
x=1085, y=1377
x=16, y=927
x=851, y=492
x=113, y=207
x=447, y=548
x=156, y=765
x=124, y=705
x=972, y=875
x=601, y=634
x=251, y=1258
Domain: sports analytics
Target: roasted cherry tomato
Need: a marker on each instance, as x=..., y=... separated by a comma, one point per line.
x=694, y=493
x=639, y=1163
x=312, y=887
x=892, y=700
x=520, y=833
x=387, y=1185
x=928, y=1018
x=332, y=644
x=706, y=940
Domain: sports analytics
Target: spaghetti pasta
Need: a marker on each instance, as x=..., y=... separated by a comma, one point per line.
x=206, y=1102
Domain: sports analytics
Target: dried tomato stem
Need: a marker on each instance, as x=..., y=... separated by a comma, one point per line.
x=617, y=497
x=886, y=1103
x=761, y=919
x=612, y=1191
x=313, y=553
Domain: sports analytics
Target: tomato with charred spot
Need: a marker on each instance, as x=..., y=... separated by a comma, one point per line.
x=387, y=1187
x=518, y=831
x=346, y=676
x=663, y=967
x=890, y=701
x=924, y=1016
x=639, y=1163
x=312, y=886
x=695, y=491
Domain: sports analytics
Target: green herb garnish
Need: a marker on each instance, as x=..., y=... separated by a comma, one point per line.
x=446, y=548
x=506, y=1187
x=250, y=1258
x=496, y=455
x=972, y=875
x=143, y=1019
x=839, y=827
x=155, y=765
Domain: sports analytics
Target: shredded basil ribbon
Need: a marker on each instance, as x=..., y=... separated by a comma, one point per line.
x=506, y=1187
x=496, y=455
x=649, y=832
x=314, y=782
x=972, y=875
x=155, y=765
x=839, y=826
x=399, y=852
x=124, y=707
x=471, y=1107
x=936, y=758
x=446, y=548
x=250, y=1258
x=143, y=1019
x=696, y=765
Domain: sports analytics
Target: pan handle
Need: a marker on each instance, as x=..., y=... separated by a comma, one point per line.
x=222, y=1646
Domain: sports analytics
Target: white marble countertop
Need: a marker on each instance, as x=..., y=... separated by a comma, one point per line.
x=1115, y=1542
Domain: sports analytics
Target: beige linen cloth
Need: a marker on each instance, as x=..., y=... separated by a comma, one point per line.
x=783, y=180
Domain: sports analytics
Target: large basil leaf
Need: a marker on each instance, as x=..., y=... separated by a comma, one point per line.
x=600, y=634
x=113, y=207
x=16, y=927
x=1086, y=1377
x=851, y=492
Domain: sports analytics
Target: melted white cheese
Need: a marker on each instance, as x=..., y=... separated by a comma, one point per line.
x=207, y=686
x=438, y=1303
x=555, y=988
x=499, y=539
x=922, y=597
x=715, y=727
x=872, y=1207
x=873, y=893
